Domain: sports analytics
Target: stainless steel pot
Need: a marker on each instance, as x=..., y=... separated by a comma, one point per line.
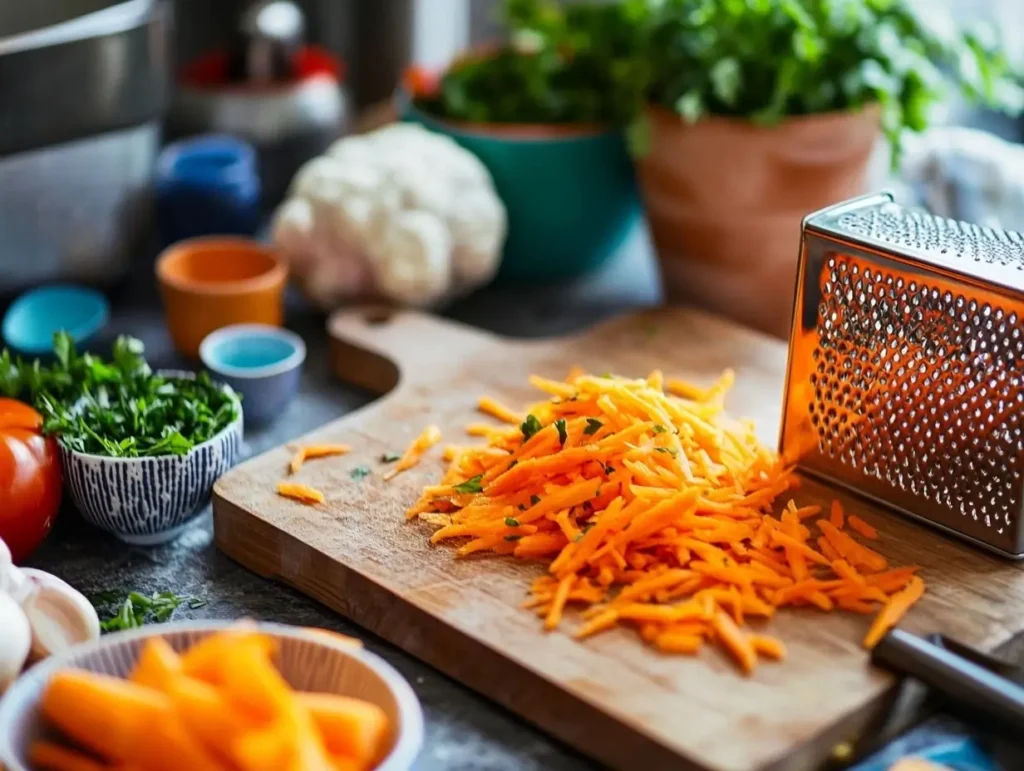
x=83, y=86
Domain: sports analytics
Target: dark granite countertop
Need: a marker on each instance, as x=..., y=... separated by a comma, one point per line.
x=463, y=730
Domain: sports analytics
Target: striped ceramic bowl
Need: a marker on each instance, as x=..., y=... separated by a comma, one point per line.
x=149, y=501
x=309, y=661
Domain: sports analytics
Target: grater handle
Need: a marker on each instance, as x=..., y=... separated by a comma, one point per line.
x=963, y=682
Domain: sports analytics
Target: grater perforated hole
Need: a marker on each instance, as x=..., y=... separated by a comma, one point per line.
x=908, y=229
x=921, y=389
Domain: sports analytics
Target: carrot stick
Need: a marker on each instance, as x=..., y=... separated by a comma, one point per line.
x=735, y=641
x=300, y=492
x=349, y=727
x=836, y=515
x=158, y=664
x=315, y=451
x=862, y=528
x=105, y=715
x=676, y=642
x=496, y=409
x=894, y=611
x=430, y=436
x=554, y=615
x=768, y=646
x=46, y=756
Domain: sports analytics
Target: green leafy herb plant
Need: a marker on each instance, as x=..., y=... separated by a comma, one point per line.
x=561, y=64
x=757, y=60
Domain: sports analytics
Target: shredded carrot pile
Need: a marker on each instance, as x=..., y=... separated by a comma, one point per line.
x=655, y=510
x=431, y=435
x=299, y=492
x=309, y=452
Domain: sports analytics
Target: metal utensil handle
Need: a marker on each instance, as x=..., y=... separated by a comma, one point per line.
x=963, y=681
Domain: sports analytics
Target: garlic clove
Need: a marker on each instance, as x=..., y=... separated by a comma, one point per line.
x=59, y=615
x=13, y=580
x=15, y=641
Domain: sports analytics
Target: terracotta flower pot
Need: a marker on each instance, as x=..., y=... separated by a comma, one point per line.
x=725, y=199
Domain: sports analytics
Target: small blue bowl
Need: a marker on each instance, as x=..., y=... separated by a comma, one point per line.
x=32, y=319
x=261, y=362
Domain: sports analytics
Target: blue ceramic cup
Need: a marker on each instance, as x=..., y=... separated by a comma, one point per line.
x=570, y=191
x=262, y=363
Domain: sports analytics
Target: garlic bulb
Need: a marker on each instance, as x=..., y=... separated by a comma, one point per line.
x=53, y=615
x=15, y=641
x=59, y=615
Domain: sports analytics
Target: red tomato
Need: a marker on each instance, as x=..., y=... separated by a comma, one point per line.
x=30, y=481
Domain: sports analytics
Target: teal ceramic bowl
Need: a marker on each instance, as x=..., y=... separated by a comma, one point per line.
x=570, y=191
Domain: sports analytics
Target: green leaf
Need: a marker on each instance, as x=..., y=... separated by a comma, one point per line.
x=511, y=522
x=690, y=106
x=471, y=485
x=659, y=429
x=593, y=426
x=726, y=79
x=63, y=349
x=359, y=472
x=530, y=426
x=563, y=434
x=534, y=500
x=638, y=137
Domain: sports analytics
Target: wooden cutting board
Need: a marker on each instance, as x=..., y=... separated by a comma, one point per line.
x=611, y=697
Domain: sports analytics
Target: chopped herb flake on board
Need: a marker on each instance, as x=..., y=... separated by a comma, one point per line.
x=359, y=472
x=530, y=426
x=471, y=485
x=390, y=457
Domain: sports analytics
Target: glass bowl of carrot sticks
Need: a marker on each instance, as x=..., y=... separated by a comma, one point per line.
x=212, y=697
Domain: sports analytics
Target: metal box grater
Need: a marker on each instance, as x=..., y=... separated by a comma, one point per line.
x=905, y=380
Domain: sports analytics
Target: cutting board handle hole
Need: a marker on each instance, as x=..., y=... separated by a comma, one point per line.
x=377, y=317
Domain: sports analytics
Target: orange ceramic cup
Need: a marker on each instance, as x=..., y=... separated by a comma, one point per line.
x=211, y=282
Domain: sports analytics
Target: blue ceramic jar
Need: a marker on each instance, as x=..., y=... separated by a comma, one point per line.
x=208, y=185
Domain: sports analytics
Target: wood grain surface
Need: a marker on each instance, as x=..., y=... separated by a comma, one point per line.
x=611, y=696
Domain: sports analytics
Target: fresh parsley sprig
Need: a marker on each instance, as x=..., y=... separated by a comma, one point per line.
x=137, y=609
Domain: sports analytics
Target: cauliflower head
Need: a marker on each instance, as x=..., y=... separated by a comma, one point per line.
x=401, y=213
